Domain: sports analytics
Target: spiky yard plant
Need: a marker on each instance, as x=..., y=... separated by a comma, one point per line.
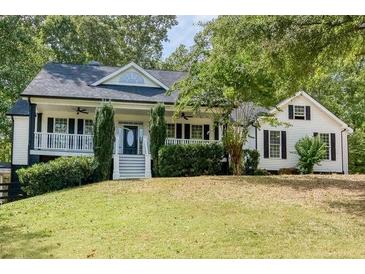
x=311, y=151
x=104, y=138
x=157, y=133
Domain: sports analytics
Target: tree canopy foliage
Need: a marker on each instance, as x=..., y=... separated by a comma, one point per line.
x=263, y=59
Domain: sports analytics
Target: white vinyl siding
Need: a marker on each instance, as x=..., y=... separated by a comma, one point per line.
x=20, y=140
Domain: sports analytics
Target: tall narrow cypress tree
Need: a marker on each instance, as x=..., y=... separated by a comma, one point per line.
x=104, y=138
x=157, y=133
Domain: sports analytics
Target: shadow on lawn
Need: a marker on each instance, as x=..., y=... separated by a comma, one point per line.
x=354, y=202
x=15, y=242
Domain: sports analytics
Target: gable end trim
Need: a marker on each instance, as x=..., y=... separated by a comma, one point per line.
x=130, y=65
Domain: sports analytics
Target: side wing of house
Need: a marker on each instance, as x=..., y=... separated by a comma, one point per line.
x=306, y=117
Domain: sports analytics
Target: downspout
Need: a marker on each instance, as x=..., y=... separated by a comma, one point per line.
x=255, y=137
x=343, y=171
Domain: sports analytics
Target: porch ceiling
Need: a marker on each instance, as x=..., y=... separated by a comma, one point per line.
x=46, y=108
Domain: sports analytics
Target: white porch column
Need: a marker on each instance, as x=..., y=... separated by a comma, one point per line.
x=147, y=157
x=116, y=174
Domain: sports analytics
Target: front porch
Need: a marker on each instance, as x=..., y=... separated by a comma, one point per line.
x=66, y=130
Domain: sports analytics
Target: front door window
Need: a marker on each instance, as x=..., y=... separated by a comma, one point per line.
x=130, y=139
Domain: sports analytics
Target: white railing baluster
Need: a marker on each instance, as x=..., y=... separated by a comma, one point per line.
x=175, y=141
x=63, y=142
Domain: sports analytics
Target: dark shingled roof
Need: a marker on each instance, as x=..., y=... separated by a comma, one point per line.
x=20, y=108
x=74, y=81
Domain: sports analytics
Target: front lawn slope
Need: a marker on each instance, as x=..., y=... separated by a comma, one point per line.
x=201, y=217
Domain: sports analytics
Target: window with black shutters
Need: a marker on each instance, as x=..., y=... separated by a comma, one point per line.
x=325, y=138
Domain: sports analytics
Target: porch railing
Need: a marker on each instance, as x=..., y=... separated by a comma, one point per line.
x=63, y=142
x=175, y=141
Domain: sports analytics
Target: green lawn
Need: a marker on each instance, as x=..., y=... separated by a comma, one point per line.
x=201, y=217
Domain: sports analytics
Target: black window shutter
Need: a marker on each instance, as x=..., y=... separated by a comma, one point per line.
x=80, y=126
x=315, y=134
x=266, y=144
x=333, y=146
x=187, y=131
x=206, y=132
x=307, y=112
x=291, y=112
x=178, y=131
x=283, y=145
x=50, y=125
x=39, y=122
x=71, y=126
x=216, y=132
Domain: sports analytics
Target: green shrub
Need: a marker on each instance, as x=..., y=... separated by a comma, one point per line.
x=357, y=151
x=251, y=158
x=157, y=134
x=261, y=172
x=311, y=151
x=104, y=137
x=60, y=173
x=190, y=160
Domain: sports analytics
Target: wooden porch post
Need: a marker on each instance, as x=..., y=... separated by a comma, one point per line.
x=116, y=174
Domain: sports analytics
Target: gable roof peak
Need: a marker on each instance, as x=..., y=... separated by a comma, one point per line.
x=136, y=67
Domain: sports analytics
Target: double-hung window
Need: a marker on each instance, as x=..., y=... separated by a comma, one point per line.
x=89, y=127
x=196, y=132
x=274, y=144
x=325, y=138
x=60, y=125
x=299, y=112
x=170, y=130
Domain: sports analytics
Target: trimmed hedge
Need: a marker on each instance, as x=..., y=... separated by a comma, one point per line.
x=54, y=175
x=190, y=160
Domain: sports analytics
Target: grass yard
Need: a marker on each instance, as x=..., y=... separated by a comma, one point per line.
x=202, y=217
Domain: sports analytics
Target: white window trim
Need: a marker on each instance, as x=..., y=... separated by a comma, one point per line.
x=280, y=145
x=191, y=131
x=304, y=112
x=329, y=144
x=54, y=125
x=83, y=130
x=174, y=129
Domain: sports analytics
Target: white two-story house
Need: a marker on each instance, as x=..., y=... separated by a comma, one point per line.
x=54, y=117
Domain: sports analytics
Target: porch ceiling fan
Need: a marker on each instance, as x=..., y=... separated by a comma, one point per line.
x=81, y=110
x=186, y=117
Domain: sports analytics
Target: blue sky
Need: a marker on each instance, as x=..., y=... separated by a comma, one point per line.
x=184, y=32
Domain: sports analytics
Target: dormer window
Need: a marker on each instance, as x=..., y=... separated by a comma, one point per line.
x=299, y=112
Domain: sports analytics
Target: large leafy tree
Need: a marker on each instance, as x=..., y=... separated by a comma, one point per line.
x=263, y=59
x=21, y=56
x=111, y=40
